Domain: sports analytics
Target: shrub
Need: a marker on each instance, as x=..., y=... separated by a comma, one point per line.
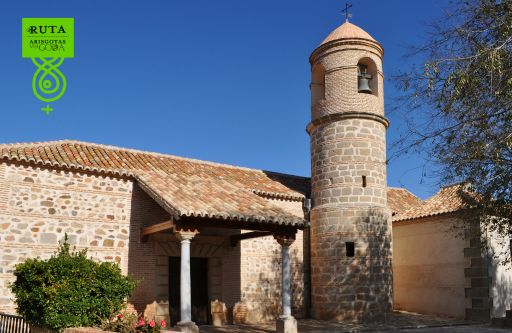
x=69, y=290
x=123, y=323
x=149, y=326
x=128, y=323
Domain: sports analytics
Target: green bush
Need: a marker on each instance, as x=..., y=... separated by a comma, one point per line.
x=69, y=290
x=127, y=322
x=124, y=322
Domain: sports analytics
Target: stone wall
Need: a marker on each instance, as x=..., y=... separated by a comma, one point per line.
x=357, y=287
x=342, y=152
x=39, y=206
x=261, y=277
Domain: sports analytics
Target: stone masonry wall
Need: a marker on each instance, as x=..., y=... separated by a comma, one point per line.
x=261, y=278
x=342, y=153
x=261, y=273
x=351, y=288
x=39, y=206
x=347, y=211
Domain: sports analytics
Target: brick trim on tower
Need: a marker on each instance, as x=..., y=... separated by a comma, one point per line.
x=346, y=115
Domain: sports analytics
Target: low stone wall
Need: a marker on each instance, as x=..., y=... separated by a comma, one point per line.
x=70, y=330
x=85, y=330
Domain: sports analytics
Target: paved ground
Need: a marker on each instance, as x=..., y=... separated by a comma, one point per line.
x=398, y=321
x=465, y=329
x=455, y=329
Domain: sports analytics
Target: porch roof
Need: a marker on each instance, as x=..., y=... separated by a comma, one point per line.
x=184, y=187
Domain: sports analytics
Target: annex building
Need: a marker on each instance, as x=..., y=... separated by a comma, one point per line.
x=340, y=245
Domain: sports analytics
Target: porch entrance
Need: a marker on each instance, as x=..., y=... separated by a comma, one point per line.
x=199, y=283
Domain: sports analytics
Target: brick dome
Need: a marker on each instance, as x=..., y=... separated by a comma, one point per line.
x=348, y=31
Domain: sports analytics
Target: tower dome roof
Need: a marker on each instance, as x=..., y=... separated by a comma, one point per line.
x=347, y=31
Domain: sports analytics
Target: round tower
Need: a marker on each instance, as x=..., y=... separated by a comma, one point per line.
x=351, y=277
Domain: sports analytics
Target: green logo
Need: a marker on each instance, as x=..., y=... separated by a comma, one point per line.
x=47, y=41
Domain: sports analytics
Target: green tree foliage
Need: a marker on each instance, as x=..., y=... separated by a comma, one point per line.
x=69, y=290
x=459, y=103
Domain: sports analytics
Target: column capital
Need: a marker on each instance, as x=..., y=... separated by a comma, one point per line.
x=285, y=240
x=186, y=234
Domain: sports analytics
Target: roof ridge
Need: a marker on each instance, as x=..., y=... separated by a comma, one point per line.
x=284, y=174
x=438, y=199
x=462, y=182
x=34, y=143
x=406, y=190
x=158, y=154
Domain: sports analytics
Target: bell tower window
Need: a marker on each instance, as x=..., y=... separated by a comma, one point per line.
x=317, y=84
x=367, y=77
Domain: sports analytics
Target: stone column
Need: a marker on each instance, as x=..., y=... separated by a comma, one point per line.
x=286, y=323
x=186, y=324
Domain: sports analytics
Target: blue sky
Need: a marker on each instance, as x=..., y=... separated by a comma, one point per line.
x=223, y=80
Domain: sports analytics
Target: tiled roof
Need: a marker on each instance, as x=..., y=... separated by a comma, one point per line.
x=399, y=199
x=184, y=187
x=449, y=199
x=189, y=187
x=348, y=31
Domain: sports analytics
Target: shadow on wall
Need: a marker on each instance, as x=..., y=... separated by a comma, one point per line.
x=501, y=279
x=141, y=255
x=229, y=282
x=295, y=183
x=502, y=298
x=357, y=285
x=270, y=287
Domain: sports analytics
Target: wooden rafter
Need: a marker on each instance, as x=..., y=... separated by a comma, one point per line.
x=234, y=239
x=155, y=228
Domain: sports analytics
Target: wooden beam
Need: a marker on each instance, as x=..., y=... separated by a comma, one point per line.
x=233, y=239
x=155, y=228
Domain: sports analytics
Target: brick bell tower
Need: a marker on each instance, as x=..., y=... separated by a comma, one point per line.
x=351, y=276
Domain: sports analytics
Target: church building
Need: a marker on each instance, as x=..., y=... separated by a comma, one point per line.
x=338, y=246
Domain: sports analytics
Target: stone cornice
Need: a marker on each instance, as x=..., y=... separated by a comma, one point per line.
x=347, y=115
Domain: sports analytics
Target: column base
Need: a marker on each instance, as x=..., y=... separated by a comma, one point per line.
x=286, y=325
x=187, y=327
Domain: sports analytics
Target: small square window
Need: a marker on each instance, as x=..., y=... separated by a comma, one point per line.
x=350, y=249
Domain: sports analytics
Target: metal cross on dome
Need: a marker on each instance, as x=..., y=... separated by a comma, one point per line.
x=347, y=14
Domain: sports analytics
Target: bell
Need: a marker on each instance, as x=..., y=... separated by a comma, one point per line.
x=362, y=83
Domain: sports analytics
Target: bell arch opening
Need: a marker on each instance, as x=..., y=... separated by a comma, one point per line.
x=317, y=84
x=367, y=77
